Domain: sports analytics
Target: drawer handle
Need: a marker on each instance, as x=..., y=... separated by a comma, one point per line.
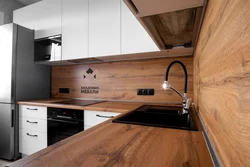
x=34, y=109
x=104, y=116
x=32, y=122
x=32, y=135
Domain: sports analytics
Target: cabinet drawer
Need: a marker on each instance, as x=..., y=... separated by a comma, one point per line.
x=31, y=141
x=92, y=118
x=33, y=111
x=39, y=125
x=87, y=127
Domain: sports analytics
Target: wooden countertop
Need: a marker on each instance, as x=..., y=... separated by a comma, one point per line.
x=115, y=144
x=109, y=106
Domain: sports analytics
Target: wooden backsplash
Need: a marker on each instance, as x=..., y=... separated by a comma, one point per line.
x=120, y=80
x=222, y=79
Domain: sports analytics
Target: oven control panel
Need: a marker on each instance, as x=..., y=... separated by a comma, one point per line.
x=65, y=113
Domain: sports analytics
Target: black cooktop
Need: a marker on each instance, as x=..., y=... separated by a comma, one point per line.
x=80, y=102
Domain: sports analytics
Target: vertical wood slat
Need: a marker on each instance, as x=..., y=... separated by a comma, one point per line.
x=222, y=79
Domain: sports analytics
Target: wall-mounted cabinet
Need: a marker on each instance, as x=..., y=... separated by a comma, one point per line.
x=104, y=28
x=75, y=29
x=170, y=23
x=25, y=16
x=90, y=28
x=134, y=38
x=44, y=17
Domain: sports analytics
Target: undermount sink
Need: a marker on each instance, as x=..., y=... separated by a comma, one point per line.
x=159, y=116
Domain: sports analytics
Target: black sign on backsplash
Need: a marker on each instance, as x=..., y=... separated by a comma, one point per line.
x=89, y=76
x=89, y=72
x=90, y=89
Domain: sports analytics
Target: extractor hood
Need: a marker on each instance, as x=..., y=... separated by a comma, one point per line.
x=172, y=24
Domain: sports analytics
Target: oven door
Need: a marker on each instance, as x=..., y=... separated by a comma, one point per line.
x=59, y=129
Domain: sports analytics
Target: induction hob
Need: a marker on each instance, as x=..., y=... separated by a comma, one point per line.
x=80, y=102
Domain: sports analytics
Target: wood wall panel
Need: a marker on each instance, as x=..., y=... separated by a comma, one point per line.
x=222, y=79
x=120, y=80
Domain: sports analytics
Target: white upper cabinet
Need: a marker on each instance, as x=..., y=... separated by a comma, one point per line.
x=74, y=29
x=134, y=38
x=89, y=28
x=104, y=27
x=25, y=16
x=48, y=18
x=44, y=17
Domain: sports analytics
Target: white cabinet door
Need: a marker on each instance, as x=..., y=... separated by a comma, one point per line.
x=134, y=38
x=31, y=141
x=34, y=124
x=87, y=127
x=47, y=18
x=92, y=118
x=44, y=17
x=74, y=29
x=33, y=111
x=25, y=16
x=32, y=128
x=104, y=27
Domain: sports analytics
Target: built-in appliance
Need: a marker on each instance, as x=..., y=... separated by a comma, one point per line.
x=48, y=49
x=80, y=102
x=63, y=123
x=21, y=79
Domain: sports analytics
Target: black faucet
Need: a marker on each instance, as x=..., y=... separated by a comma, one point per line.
x=166, y=86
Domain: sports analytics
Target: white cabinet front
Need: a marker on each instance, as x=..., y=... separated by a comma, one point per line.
x=33, y=111
x=25, y=17
x=32, y=128
x=44, y=17
x=47, y=18
x=89, y=28
x=134, y=38
x=74, y=29
x=104, y=28
x=92, y=118
x=34, y=124
x=31, y=141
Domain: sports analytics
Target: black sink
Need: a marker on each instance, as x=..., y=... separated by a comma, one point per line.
x=158, y=116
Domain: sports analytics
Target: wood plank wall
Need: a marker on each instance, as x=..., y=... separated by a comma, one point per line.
x=120, y=80
x=222, y=79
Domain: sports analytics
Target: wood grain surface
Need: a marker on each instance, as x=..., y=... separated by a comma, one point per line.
x=175, y=28
x=120, y=80
x=113, y=144
x=121, y=107
x=222, y=79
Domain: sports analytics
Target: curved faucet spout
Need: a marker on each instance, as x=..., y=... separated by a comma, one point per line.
x=185, y=71
x=167, y=86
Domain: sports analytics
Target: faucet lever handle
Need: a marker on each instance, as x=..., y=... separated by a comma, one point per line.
x=188, y=103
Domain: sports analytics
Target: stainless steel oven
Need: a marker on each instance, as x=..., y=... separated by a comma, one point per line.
x=63, y=123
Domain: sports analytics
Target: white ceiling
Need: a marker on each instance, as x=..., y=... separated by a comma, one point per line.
x=27, y=2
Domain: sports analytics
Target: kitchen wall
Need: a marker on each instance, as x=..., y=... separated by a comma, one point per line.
x=120, y=80
x=7, y=7
x=222, y=79
x=1, y=18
